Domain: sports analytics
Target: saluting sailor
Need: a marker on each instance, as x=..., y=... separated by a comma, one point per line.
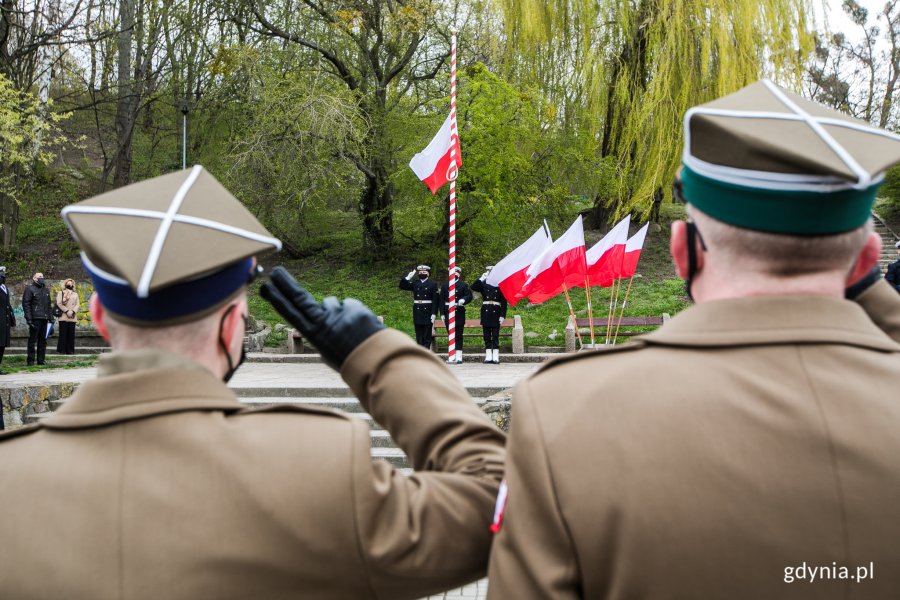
x=173, y=489
x=756, y=431
x=425, y=302
x=463, y=297
x=493, y=313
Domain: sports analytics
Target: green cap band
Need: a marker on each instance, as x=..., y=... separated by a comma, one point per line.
x=779, y=211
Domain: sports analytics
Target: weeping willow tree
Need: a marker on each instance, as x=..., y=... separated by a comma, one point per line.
x=625, y=72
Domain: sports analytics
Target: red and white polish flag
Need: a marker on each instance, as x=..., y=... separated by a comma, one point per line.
x=604, y=259
x=433, y=165
x=561, y=265
x=510, y=274
x=633, y=252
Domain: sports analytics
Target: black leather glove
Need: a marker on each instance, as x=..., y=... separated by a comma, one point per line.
x=335, y=328
x=30, y=325
x=863, y=283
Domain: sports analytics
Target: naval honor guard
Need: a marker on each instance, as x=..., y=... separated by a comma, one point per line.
x=463, y=297
x=493, y=313
x=425, y=302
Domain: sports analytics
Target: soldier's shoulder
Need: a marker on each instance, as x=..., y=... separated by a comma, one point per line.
x=297, y=410
x=9, y=434
x=591, y=358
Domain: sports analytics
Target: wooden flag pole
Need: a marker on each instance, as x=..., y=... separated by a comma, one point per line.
x=622, y=312
x=587, y=293
x=451, y=174
x=609, y=315
x=572, y=313
x=615, y=305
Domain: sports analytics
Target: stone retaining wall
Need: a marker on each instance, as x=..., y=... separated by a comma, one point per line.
x=22, y=402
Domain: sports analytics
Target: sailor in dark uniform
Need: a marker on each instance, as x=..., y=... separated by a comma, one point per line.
x=493, y=312
x=463, y=297
x=425, y=302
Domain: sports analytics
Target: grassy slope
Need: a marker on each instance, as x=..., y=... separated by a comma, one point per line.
x=655, y=290
x=336, y=268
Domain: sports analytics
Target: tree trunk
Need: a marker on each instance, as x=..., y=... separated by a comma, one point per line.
x=125, y=104
x=376, y=205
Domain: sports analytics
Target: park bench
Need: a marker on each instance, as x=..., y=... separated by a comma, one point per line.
x=295, y=344
x=472, y=328
x=600, y=328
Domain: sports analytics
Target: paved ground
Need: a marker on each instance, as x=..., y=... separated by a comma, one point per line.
x=256, y=375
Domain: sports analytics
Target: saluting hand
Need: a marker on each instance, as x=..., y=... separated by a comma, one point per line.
x=334, y=327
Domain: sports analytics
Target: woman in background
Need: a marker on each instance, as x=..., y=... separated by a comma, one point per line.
x=68, y=302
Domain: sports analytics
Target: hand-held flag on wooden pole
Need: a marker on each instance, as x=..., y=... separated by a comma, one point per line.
x=510, y=274
x=559, y=267
x=633, y=252
x=629, y=267
x=604, y=259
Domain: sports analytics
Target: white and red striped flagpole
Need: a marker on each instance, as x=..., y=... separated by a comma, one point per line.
x=451, y=291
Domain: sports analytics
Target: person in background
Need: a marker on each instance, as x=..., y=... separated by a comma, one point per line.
x=68, y=303
x=36, y=306
x=425, y=303
x=7, y=320
x=893, y=270
x=463, y=296
x=493, y=313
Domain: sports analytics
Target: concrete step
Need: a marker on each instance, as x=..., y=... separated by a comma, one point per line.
x=395, y=456
x=346, y=404
x=18, y=350
x=290, y=394
x=469, y=356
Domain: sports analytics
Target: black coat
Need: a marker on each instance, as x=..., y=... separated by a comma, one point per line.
x=36, y=302
x=425, y=299
x=462, y=293
x=493, y=303
x=893, y=275
x=7, y=318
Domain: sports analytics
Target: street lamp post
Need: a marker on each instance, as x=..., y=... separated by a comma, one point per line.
x=183, y=106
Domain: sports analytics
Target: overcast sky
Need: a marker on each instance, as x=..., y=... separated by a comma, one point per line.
x=838, y=20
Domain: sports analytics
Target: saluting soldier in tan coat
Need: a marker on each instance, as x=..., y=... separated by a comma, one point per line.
x=749, y=448
x=154, y=482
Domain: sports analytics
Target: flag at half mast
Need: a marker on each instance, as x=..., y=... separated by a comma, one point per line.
x=435, y=164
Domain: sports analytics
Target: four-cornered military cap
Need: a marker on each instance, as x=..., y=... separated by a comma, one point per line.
x=168, y=249
x=423, y=268
x=766, y=159
x=2, y=270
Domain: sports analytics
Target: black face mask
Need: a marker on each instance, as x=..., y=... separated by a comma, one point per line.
x=423, y=277
x=40, y=281
x=69, y=287
x=231, y=367
x=693, y=234
x=2, y=278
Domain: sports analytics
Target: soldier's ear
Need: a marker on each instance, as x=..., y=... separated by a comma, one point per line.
x=866, y=259
x=98, y=316
x=678, y=247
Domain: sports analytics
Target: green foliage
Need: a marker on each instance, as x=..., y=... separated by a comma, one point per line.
x=640, y=65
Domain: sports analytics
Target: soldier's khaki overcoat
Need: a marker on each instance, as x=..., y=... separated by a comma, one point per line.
x=742, y=438
x=154, y=482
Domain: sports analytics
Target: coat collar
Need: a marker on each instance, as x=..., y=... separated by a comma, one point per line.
x=139, y=384
x=772, y=320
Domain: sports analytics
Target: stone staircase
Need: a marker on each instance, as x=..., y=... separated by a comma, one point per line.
x=383, y=445
x=888, y=239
